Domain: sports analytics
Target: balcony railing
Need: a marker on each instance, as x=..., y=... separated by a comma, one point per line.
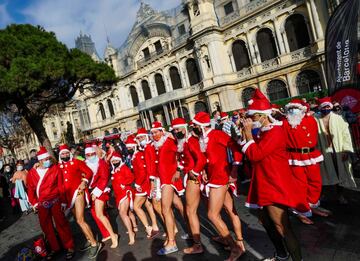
x=181, y=39
x=153, y=56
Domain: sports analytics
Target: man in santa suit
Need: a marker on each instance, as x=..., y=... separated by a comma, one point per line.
x=220, y=177
x=142, y=184
x=76, y=176
x=169, y=175
x=192, y=161
x=100, y=193
x=272, y=188
x=45, y=195
x=301, y=131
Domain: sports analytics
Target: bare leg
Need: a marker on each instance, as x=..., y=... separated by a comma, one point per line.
x=133, y=221
x=157, y=207
x=150, y=210
x=124, y=214
x=166, y=205
x=99, y=210
x=138, y=203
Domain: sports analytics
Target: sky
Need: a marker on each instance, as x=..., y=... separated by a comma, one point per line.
x=67, y=18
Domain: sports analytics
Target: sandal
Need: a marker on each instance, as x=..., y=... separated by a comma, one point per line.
x=196, y=248
x=220, y=240
x=154, y=233
x=69, y=254
x=166, y=251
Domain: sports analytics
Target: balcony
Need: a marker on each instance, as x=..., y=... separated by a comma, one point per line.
x=181, y=39
x=153, y=56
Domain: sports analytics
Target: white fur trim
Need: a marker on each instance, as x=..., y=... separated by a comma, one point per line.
x=179, y=125
x=208, y=186
x=90, y=150
x=63, y=150
x=311, y=161
x=205, y=124
x=297, y=105
x=252, y=112
x=97, y=192
x=43, y=156
x=39, y=183
x=127, y=196
x=326, y=104
x=115, y=158
x=251, y=101
x=241, y=142
x=247, y=145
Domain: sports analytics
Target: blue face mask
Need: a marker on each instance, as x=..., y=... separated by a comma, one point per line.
x=325, y=111
x=255, y=131
x=92, y=159
x=47, y=164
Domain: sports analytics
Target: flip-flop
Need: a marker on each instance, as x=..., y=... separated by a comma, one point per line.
x=166, y=251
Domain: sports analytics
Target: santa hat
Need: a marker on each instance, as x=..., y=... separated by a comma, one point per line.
x=235, y=114
x=178, y=123
x=116, y=156
x=224, y=116
x=156, y=125
x=141, y=132
x=275, y=107
x=191, y=124
x=89, y=149
x=130, y=141
x=42, y=153
x=202, y=119
x=259, y=104
x=296, y=103
x=326, y=101
x=63, y=148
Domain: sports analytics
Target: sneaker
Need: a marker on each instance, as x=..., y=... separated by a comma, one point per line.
x=94, y=250
x=85, y=247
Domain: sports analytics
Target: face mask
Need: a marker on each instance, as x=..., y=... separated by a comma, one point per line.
x=179, y=135
x=255, y=131
x=257, y=124
x=197, y=131
x=92, y=159
x=19, y=168
x=47, y=164
x=7, y=170
x=325, y=111
x=143, y=143
x=131, y=151
x=116, y=165
x=295, y=111
x=65, y=159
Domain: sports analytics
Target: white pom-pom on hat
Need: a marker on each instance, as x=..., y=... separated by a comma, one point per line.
x=250, y=101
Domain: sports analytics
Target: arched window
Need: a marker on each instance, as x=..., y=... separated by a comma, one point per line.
x=240, y=54
x=115, y=130
x=246, y=95
x=266, y=44
x=102, y=111
x=193, y=72
x=160, y=85
x=175, y=78
x=134, y=96
x=200, y=106
x=184, y=113
x=146, y=89
x=296, y=32
x=139, y=124
x=308, y=81
x=111, y=107
x=277, y=90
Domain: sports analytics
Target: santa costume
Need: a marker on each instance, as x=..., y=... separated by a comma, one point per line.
x=304, y=158
x=74, y=172
x=272, y=179
x=215, y=144
x=165, y=160
x=98, y=185
x=122, y=180
x=44, y=191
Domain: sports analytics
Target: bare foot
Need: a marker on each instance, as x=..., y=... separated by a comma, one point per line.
x=131, y=239
x=115, y=241
x=235, y=254
x=305, y=220
x=194, y=249
x=106, y=239
x=148, y=231
x=321, y=212
x=135, y=229
x=241, y=245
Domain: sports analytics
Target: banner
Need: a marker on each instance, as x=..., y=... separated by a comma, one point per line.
x=341, y=46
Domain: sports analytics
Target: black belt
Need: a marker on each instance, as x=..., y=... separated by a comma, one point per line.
x=303, y=150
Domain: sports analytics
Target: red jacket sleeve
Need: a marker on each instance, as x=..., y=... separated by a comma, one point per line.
x=227, y=141
x=104, y=174
x=31, y=188
x=85, y=170
x=150, y=158
x=199, y=157
x=61, y=186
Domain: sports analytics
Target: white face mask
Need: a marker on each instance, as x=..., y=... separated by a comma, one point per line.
x=294, y=111
x=19, y=168
x=92, y=159
x=257, y=124
x=143, y=143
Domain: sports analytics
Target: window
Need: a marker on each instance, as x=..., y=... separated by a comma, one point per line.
x=146, y=89
x=181, y=29
x=296, y=32
x=111, y=107
x=200, y=106
x=175, y=78
x=134, y=96
x=102, y=111
x=193, y=72
x=308, y=81
x=246, y=95
x=196, y=10
x=146, y=53
x=266, y=44
x=277, y=90
x=158, y=47
x=160, y=85
x=228, y=8
x=240, y=54
x=184, y=113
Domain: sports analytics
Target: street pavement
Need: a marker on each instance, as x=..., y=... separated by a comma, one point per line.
x=334, y=238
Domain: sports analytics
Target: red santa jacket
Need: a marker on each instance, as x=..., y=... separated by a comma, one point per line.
x=45, y=188
x=73, y=172
x=150, y=158
x=218, y=167
x=139, y=168
x=100, y=178
x=122, y=180
x=190, y=156
x=304, y=135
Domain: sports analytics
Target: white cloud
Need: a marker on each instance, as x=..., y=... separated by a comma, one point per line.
x=5, y=17
x=68, y=17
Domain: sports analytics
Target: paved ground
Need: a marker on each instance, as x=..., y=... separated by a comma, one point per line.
x=334, y=238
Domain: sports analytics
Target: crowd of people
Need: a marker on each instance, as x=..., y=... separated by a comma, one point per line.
x=288, y=155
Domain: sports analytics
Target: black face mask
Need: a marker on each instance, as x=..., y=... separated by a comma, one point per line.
x=65, y=159
x=325, y=111
x=197, y=131
x=131, y=152
x=179, y=135
x=116, y=165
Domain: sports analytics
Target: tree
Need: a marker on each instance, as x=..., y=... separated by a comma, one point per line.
x=37, y=71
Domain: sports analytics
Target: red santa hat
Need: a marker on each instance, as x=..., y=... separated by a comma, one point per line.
x=178, y=123
x=130, y=141
x=116, y=156
x=275, y=107
x=224, y=115
x=191, y=124
x=63, y=148
x=156, y=125
x=202, y=119
x=297, y=103
x=259, y=104
x=235, y=114
x=141, y=132
x=326, y=101
x=89, y=149
x=42, y=153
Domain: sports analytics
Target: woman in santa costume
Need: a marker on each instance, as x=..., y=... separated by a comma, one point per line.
x=45, y=195
x=272, y=187
x=219, y=176
x=100, y=193
x=76, y=176
x=304, y=158
x=122, y=180
x=142, y=185
x=192, y=161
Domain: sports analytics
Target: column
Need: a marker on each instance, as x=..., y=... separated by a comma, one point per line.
x=151, y=116
x=166, y=112
x=292, y=90
x=278, y=37
x=314, y=19
x=181, y=109
x=251, y=47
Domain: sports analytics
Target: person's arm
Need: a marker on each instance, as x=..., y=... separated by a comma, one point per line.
x=199, y=157
x=31, y=190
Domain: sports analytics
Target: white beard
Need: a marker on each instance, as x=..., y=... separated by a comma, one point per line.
x=203, y=143
x=159, y=143
x=180, y=145
x=295, y=120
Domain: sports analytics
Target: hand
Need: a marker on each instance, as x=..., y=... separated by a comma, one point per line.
x=35, y=209
x=176, y=176
x=93, y=197
x=345, y=156
x=247, y=123
x=36, y=165
x=205, y=177
x=82, y=186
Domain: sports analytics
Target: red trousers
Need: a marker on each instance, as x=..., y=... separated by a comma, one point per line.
x=46, y=217
x=104, y=232
x=308, y=186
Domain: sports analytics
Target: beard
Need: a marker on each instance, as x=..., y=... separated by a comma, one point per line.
x=294, y=119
